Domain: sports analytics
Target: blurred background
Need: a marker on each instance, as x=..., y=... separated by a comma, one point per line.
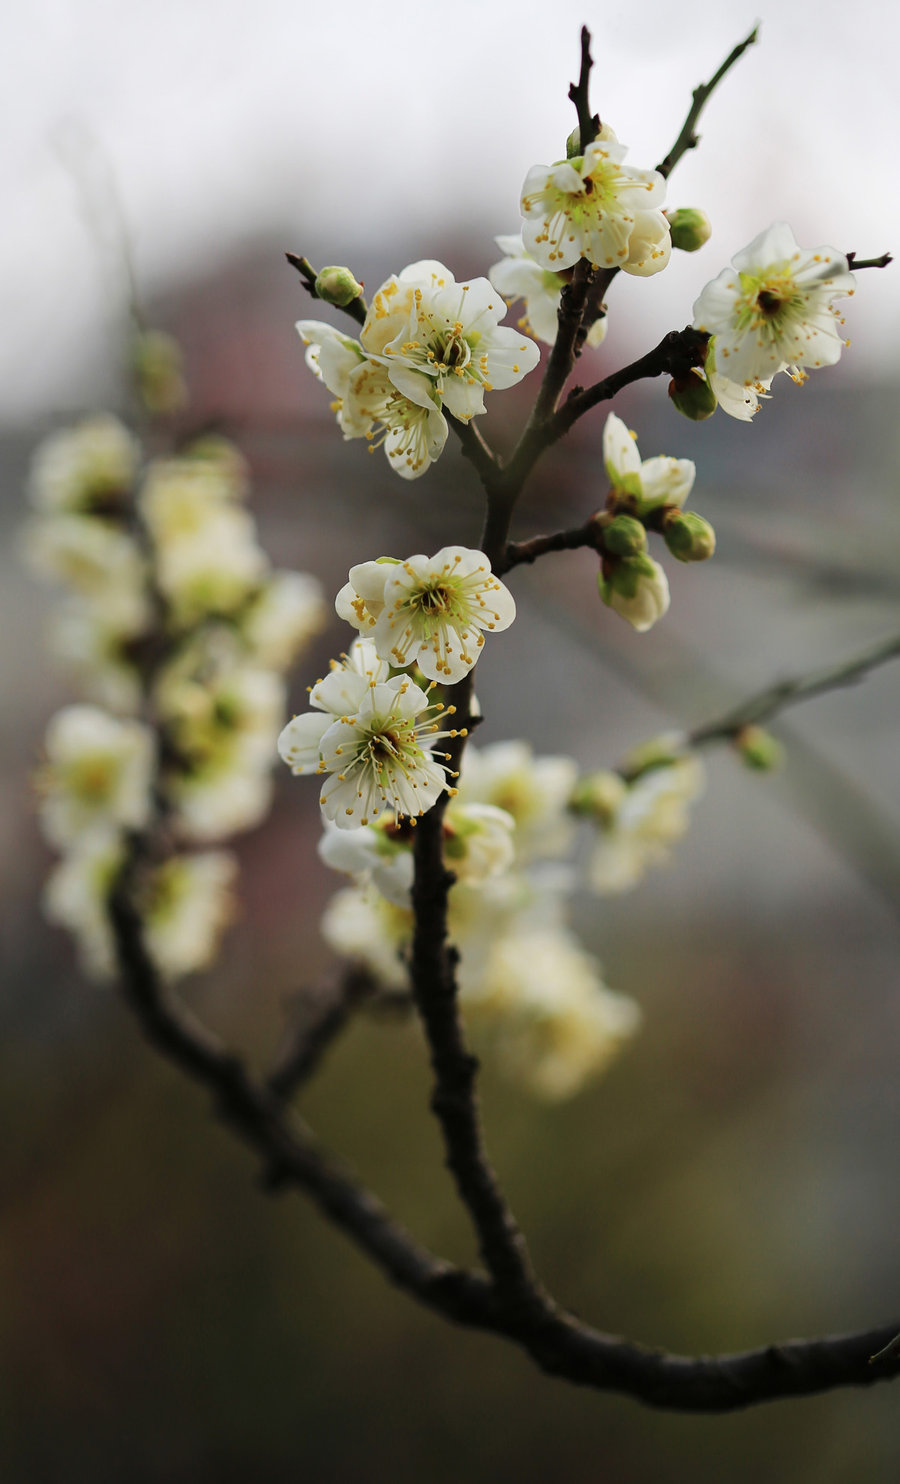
x=733, y=1179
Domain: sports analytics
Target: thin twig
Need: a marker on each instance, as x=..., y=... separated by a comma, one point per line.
x=688, y=138
x=766, y=704
x=317, y=1020
x=855, y=263
x=588, y=124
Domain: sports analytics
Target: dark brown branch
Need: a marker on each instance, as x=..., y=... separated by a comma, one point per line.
x=688, y=138
x=454, y=1100
x=588, y=124
x=520, y=552
x=318, y=1018
x=559, y=1343
x=760, y=708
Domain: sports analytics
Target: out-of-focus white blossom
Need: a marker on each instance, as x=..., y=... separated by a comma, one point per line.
x=100, y=652
x=478, y=841
x=594, y=206
x=643, y=820
x=97, y=776
x=184, y=904
x=534, y=791
x=560, y=1025
x=84, y=469
x=188, y=902
x=368, y=928
x=428, y=611
x=774, y=309
x=95, y=559
x=380, y=854
x=281, y=619
x=519, y=276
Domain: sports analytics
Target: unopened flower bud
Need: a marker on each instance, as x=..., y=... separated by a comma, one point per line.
x=159, y=372
x=637, y=589
x=337, y=286
x=758, y=749
x=573, y=143
x=693, y=396
x=690, y=228
x=689, y=537
x=657, y=752
x=624, y=536
x=599, y=796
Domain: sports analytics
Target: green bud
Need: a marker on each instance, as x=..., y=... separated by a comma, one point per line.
x=689, y=537
x=690, y=228
x=758, y=749
x=337, y=286
x=159, y=372
x=693, y=396
x=573, y=143
x=624, y=537
x=598, y=796
x=656, y=752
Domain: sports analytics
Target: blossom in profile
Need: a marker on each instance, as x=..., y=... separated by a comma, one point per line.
x=374, y=737
x=520, y=276
x=774, y=309
x=648, y=483
x=594, y=206
x=431, y=612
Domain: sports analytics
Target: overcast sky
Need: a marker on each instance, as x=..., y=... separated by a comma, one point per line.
x=226, y=119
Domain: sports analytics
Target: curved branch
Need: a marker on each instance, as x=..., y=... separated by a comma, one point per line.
x=765, y=704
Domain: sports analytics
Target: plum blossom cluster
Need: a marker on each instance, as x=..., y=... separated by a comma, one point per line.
x=529, y=988
x=373, y=732
x=429, y=346
x=179, y=634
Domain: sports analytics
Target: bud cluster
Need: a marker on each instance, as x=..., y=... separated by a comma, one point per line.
x=644, y=496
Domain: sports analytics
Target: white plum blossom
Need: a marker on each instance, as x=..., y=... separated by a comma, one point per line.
x=282, y=617
x=185, y=904
x=649, y=482
x=642, y=820
x=428, y=611
x=412, y=430
x=774, y=309
x=99, y=650
x=373, y=736
x=520, y=276
x=561, y=1025
x=428, y=345
x=379, y=854
x=85, y=468
x=97, y=776
x=95, y=559
x=478, y=841
x=594, y=206
x=534, y=791
x=422, y=323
